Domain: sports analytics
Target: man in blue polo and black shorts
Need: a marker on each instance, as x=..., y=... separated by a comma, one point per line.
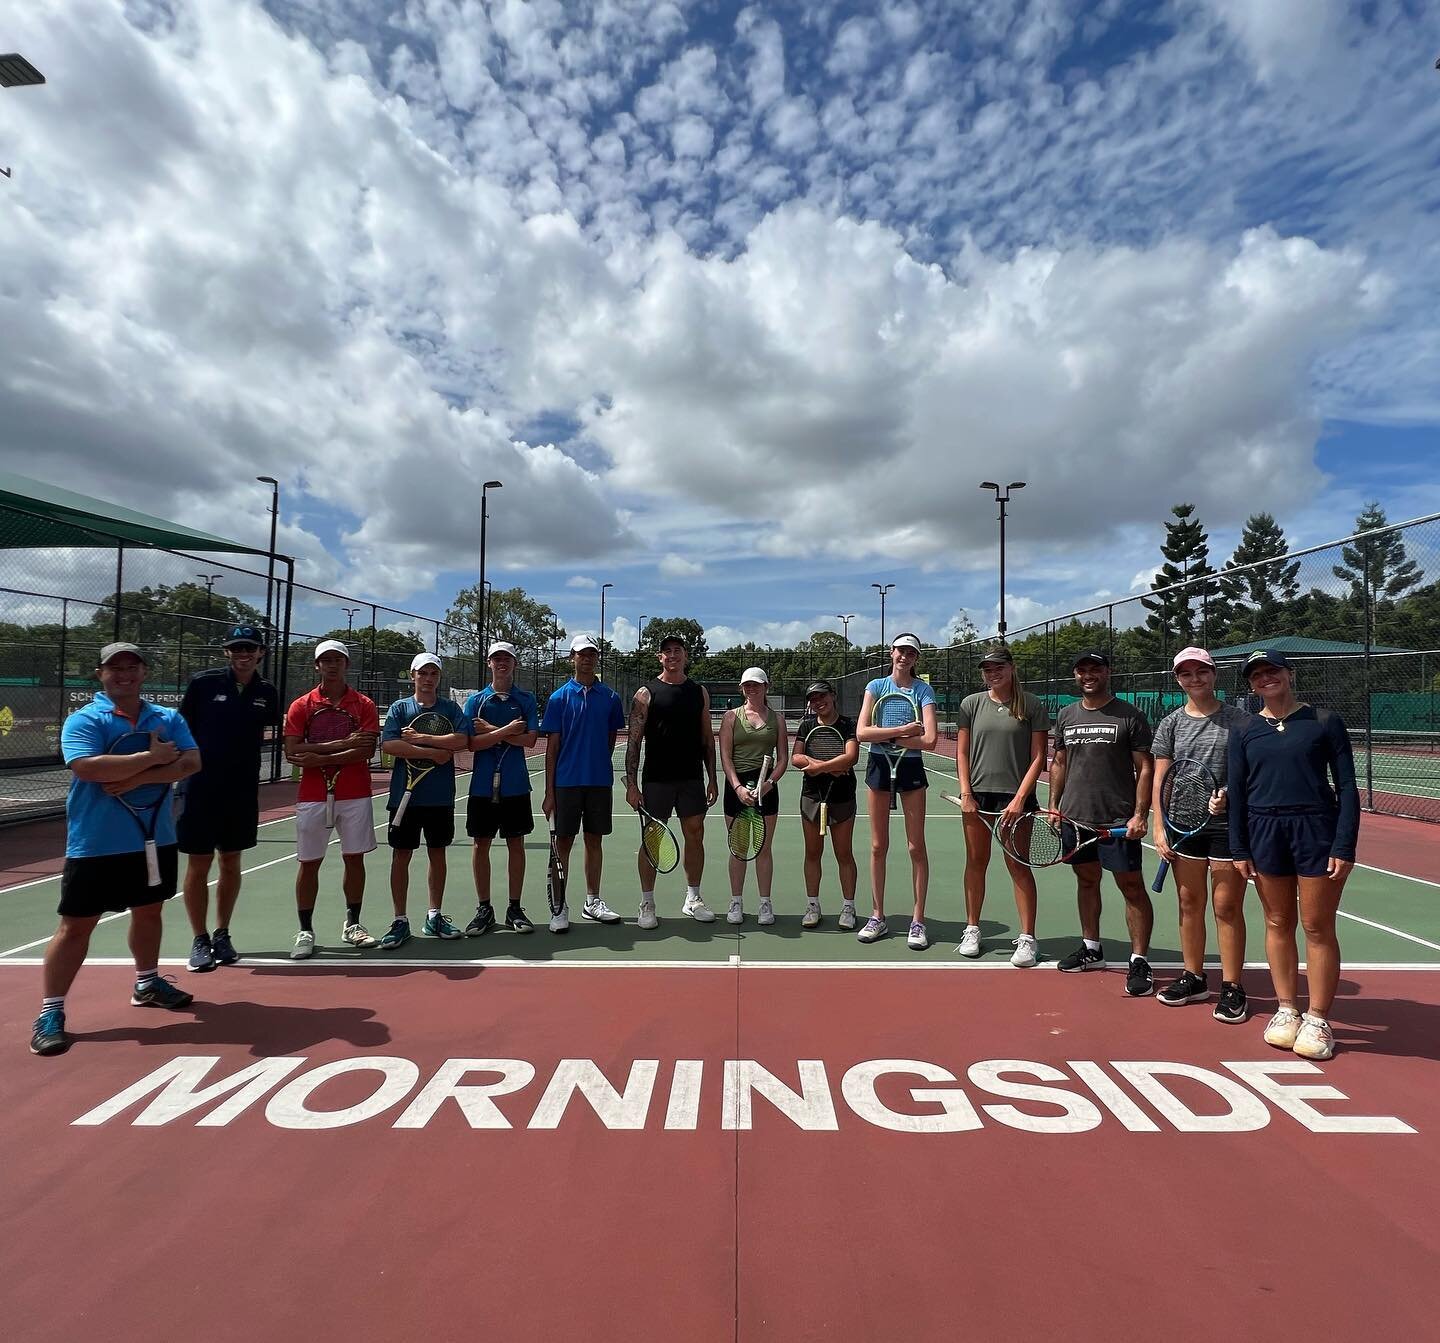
x=506, y=724
x=105, y=865
x=582, y=720
x=1102, y=770
x=229, y=710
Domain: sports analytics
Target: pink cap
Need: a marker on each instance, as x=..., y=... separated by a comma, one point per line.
x=1193, y=655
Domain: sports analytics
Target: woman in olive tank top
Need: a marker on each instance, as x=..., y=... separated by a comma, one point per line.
x=747, y=735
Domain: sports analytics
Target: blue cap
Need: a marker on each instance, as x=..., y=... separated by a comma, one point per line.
x=243, y=634
x=1264, y=657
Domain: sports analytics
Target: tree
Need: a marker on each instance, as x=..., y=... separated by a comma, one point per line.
x=1376, y=565
x=383, y=641
x=662, y=627
x=160, y=613
x=959, y=629
x=514, y=616
x=1181, y=615
x=1251, y=602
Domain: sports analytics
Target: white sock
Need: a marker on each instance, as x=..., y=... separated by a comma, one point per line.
x=647, y=897
x=1136, y=956
x=970, y=926
x=1094, y=946
x=692, y=892
x=433, y=913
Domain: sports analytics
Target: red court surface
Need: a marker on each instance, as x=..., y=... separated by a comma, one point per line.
x=805, y=1200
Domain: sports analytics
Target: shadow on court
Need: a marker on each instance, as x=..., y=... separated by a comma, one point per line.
x=263, y=1028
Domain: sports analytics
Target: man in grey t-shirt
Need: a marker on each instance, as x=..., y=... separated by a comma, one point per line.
x=1101, y=776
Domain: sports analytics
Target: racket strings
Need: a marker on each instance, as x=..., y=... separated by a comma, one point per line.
x=824, y=744
x=1188, y=805
x=660, y=847
x=747, y=833
x=1034, y=840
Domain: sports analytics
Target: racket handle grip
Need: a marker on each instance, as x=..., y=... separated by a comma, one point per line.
x=1161, y=872
x=330, y=812
x=152, y=864
x=824, y=817
x=400, y=810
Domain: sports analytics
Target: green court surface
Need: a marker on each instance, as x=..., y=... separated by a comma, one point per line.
x=1387, y=919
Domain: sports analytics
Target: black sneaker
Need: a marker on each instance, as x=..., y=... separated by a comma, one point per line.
x=517, y=920
x=482, y=923
x=1139, y=982
x=1188, y=988
x=1082, y=958
x=50, y=1036
x=160, y=993
x=202, y=955
x=223, y=947
x=1233, y=1007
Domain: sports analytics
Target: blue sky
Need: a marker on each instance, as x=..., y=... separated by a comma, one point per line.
x=740, y=302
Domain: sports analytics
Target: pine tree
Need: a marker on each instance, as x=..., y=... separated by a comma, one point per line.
x=1378, y=563
x=1252, y=600
x=1182, y=616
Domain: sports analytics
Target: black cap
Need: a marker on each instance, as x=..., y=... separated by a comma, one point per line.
x=1264, y=657
x=1091, y=655
x=675, y=639
x=998, y=653
x=819, y=688
x=243, y=634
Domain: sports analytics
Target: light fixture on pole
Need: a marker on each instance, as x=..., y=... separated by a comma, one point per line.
x=270, y=572
x=1002, y=499
x=209, y=580
x=845, y=625
x=603, y=588
x=882, y=589
x=484, y=603
x=350, y=612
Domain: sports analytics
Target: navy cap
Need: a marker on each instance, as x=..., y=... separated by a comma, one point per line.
x=1265, y=657
x=820, y=687
x=243, y=634
x=1092, y=655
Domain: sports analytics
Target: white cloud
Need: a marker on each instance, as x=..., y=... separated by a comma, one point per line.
x=674, y=566
x=581, y=581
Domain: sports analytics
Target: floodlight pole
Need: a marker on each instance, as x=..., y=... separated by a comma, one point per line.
x=209, y=580
x=270, y=572
x=1002, y=499
x=882, y=589
x=845, y=625
x=604, y=587
x=484, y=605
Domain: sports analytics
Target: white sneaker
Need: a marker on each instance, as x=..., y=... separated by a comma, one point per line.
x=697, y=909
x=1314, y=1040
x=595, y=908
x=304, y=947
x=735, y=914
x=354, y=935
x=560, y=920
x=1283, y=1029
x=970, y=941
x=767, y=914
x=847, y=915
x=917, y=940
x=1025, y=951
x=648, y=918
x=812, y=915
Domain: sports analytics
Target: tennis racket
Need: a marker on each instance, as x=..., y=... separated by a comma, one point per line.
x=144, y=802
x=824, y=744
x=327, y=725
x=508, y=710
x=747, y=830
x=555, y=876
x=895, y=709
x=991, y=818
x=431, y=724
x=1044, y=838
x=657, y=843
x=1185, y=798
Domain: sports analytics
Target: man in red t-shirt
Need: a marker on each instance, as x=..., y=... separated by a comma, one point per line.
x=347, y=759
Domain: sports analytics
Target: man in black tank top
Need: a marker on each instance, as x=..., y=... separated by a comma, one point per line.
x=670, y=719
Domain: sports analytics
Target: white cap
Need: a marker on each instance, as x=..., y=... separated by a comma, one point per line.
x=500, y=646
x=905, y=641
x=581, y=642
x=331, y=646
x=424, y=660
x=756, y=674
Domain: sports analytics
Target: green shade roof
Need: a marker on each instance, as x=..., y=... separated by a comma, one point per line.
x=1294, y=643
x=34, y=514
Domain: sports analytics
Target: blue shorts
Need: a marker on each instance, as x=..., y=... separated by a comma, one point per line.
x=909, y=774
x=1113, y=854
x=1291, y=843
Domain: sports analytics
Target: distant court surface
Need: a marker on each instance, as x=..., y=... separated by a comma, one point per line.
x=715, y=1132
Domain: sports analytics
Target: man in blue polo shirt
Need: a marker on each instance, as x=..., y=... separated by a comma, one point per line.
x=105, y=866
x=229, y=709
x=581, y=721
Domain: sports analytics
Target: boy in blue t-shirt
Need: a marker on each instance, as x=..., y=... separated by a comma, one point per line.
x=430, y=813
x=106, y=870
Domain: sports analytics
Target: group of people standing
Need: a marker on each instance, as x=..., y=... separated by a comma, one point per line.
x=1286, y=816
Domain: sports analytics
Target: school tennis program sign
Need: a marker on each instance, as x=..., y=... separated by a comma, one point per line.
x=898, y=1095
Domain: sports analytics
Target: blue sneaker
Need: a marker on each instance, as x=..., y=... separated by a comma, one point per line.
x=437, y=925
x=223, y=948
x=397, y=936
x=160, y=993
x=50, y=1035
x=202, y=955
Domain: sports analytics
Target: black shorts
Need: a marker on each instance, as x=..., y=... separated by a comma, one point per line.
x=1113, y=854
x=769, y=804
x=509, y=818
x=209, y=821
x=90, y=887
x=591, y=806
x=997, y=802
x=435, y=824
x=1291, y=844
x=836, y=813
x=682, y=797
x=1209, y=845
x=909, y=775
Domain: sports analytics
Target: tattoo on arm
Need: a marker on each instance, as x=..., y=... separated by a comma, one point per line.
x=639, y=709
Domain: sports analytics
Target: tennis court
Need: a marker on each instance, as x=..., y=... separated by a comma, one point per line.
x=720, y=1132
